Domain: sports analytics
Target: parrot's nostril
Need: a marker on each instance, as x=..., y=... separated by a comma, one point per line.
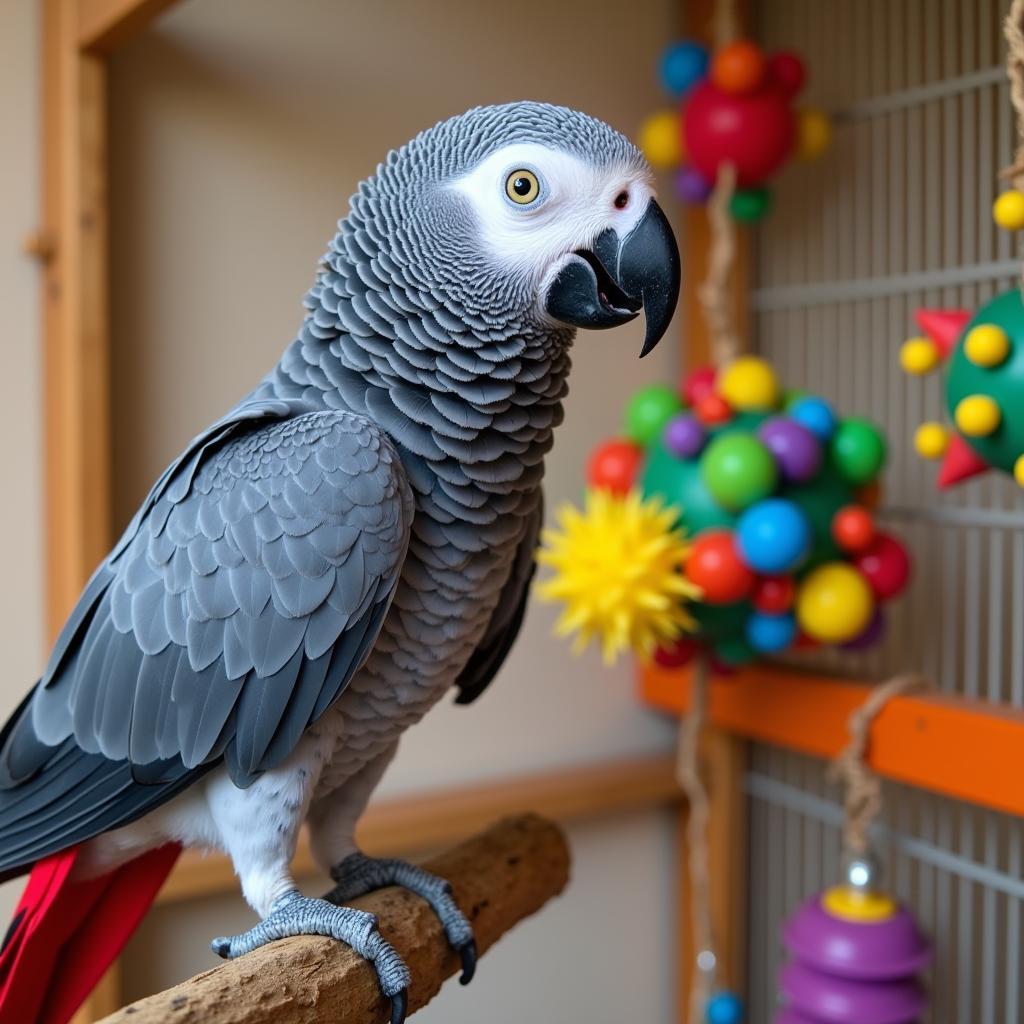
x=622, y=200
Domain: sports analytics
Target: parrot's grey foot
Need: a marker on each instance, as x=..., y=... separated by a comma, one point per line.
x=295, y=914
x=358, y=874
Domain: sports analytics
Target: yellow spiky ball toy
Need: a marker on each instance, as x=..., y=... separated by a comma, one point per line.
x=616, y=569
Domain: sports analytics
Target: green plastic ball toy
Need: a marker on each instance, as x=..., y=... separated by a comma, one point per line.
x=749, y=205
x=648, y=412
x=738, y=470
x=858, y=450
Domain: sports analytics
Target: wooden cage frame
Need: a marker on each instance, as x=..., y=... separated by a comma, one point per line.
x=967, y=749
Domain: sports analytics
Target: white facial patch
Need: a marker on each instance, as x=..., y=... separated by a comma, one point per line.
x=576, y=201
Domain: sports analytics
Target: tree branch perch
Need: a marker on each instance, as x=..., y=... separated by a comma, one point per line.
x=498, y=878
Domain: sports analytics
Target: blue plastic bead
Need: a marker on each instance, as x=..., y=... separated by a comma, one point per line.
x=773, y=536
x=724, y=1008
x=816, y=415
x=770, y=634
x=682, y=66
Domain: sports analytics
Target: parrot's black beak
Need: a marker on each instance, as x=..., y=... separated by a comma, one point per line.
x=608, y=285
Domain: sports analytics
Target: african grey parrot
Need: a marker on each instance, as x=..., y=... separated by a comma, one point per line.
x=354, y=538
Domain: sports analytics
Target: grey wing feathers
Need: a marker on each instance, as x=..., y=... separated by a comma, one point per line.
x=507, y=619
x=229, y=618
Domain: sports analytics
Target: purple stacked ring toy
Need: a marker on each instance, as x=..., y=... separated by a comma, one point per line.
x=855, y=958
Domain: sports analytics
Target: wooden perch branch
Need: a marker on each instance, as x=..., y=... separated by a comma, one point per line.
x=498, y=878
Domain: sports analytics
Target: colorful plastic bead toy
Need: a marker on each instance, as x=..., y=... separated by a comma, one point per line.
x=735, y=106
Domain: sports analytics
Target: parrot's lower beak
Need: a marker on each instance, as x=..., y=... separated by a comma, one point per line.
x=608, y=285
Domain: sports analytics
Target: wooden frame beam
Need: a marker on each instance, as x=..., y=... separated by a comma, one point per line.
x=965, y=749
x=103, y=25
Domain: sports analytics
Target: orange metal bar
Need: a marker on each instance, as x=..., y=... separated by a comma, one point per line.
x=967, y=749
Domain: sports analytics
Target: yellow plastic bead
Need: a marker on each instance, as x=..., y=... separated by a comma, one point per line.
x=1018, y=470
x=749, y=384
x=813, y=134
x=931, y=440
x=851, y=904
x=1008, y=210
x=977, y=415
x=661, y=139
x=834, y=603
x=986, y=345
x=919, y=356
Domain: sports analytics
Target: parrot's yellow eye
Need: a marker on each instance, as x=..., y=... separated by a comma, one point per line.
x=522, y=187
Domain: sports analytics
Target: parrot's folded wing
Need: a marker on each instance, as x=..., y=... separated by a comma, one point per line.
x=507, y=619
x=240, y=603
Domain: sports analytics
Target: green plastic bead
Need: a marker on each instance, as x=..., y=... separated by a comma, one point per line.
x=750, y=204
x=735, y=652
x=678, y=482
x=648, y=412
x=738, y=470
x=858, y=450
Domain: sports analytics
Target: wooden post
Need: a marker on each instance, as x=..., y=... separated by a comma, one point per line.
x=723, y=756
x=72, y=245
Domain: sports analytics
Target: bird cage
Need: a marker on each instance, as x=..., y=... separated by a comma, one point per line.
x=898, y=216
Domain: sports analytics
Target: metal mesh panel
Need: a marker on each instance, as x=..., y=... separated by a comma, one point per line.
x=895, y=217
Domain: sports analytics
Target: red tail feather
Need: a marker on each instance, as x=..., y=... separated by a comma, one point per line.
x=65, y=934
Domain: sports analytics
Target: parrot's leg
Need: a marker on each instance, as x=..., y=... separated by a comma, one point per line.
x=358, y=874
x=332, y=824
x=295, y=914
x=259, y=827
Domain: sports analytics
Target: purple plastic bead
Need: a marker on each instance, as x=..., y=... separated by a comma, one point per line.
x=797, y=451
x=852, y=972
x=692, y=186
x=873, y=633
x=841, y=1001
x=684, y=437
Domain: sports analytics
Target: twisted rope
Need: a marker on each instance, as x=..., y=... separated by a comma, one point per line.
x=713, y=292
x=1013, y=28
x=698, y=814
x=863, y=789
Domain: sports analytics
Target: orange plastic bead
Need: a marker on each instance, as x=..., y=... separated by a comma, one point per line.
x=853, y=528
x=713, y=409
x=738, y=67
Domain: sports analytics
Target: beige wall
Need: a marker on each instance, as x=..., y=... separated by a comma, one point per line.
x=239, y=131
x=21, y=597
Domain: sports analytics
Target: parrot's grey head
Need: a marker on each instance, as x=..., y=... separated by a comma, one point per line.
x=520, y=219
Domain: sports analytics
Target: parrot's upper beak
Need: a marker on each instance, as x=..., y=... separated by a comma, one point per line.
x=608, y=285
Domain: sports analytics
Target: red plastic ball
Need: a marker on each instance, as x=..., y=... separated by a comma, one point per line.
x=738, y=67
x=853, y=528
x=715, y=566
x=774, y=595
x=614, y=465
x=713, y=410
x=788, y=72
x=885, y=565
x=698, y=383
x=755, y=132
x=677, y=654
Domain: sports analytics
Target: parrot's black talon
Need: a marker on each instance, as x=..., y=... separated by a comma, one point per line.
x=399, y=1006
x=222, y=947
x=467, y=954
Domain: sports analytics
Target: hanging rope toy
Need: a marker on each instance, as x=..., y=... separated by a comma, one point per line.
x=776, y=491
x=735, y=106
x=855, y=952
